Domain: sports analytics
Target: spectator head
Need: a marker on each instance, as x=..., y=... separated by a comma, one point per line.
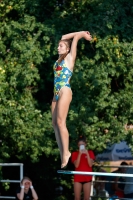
x=26, y=182
x=81, y=141
x=123, y=169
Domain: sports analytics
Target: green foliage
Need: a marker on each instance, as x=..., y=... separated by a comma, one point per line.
x=6, y=185
x=60, y=198
x=22, y=50
x=102, y=82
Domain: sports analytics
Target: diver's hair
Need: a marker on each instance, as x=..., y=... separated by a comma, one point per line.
x=82, y=138
x=68, y=45
x=25, y=177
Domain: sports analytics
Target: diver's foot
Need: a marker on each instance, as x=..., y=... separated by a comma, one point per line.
x=65, y=160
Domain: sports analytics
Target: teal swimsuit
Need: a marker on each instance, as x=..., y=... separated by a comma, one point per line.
x=62, y=76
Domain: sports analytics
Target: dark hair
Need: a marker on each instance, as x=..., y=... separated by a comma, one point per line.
x=123, y=163
x=68, y=45
x=82, y=138
x=25, y=178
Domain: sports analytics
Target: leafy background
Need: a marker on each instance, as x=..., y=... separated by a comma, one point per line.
x=102, y=83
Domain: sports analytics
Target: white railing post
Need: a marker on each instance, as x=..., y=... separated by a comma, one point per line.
x=12, y=181
x=21, y=171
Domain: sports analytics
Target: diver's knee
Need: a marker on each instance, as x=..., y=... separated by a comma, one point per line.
x=60, y=123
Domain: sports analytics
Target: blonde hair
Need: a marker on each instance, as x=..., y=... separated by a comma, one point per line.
x=68, y=45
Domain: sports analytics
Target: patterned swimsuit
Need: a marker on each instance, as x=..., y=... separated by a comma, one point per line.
x=62, y=76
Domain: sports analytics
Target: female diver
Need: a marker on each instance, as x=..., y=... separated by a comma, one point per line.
x=63, y=69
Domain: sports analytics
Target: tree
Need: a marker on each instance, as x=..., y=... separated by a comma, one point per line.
x=101, y=84
x=23, y=46
x=102, y=78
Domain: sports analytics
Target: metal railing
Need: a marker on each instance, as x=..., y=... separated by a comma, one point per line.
x=12, y=181
x=115, y=197
x=96, y=197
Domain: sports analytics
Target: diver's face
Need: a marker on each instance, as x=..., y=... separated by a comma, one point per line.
x=62, y=48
